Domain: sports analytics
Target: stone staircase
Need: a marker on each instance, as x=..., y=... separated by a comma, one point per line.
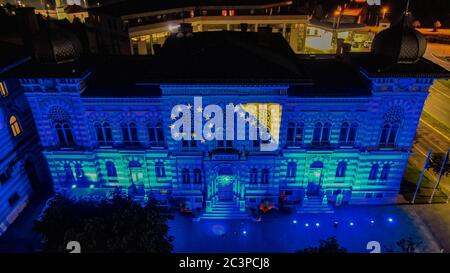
x=314, y=205
x=225, y=210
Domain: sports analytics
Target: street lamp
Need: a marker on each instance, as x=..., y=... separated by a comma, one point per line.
x=384, y=10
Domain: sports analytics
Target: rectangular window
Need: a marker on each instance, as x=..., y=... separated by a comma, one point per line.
x=3, y=90
x=379, y=195
x=369, y=195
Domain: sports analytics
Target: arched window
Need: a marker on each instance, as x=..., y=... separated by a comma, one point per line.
x=64, y=132
x=185, y=176
x=392, y=120
x=291, y=169
x=3, y=89
x=317, y=132
x=160, y=170
x=156, y=134
x=197, y=176
x=352, y=133
x=385, y=172
x=326, y=133
x=374, y=172
x=79, y=172
x=103, y=132
x=321, y=133
x=347, y=134
x=341, y=169
x=389, y=135
x=111, y=169
x=62, y=125
x=265, y=176
x=16, y=129
x=343, y=134
x=253, y=176
x=295, y=134
x=129, y=133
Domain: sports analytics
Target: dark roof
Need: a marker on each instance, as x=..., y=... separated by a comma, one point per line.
x=116, y=76
x=142, y=6
x=400, y=43
x=377, y=67
x=226, y=57
x=331, y=77
x=73, y=9
x=33, y=69
x=10, y=54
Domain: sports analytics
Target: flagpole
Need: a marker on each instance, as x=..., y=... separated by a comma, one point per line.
x=425, y=165
x=439, y=176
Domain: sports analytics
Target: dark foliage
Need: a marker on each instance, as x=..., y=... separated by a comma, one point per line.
x=405, y=245
x=108, y=225
x=435, y=164
x=330, y=245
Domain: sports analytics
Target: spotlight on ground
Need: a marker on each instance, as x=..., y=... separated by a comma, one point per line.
x=390, y=220
x=74, y=186
x=306, y=225
x=294, y=221
x=317, y=225
x=352, y=224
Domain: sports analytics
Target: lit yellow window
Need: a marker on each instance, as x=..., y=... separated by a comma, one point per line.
x=224, y=12
x=231, y=12
x=15, y=126
x=3, y=89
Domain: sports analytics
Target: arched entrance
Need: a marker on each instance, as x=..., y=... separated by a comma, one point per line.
x=225, y=184
x=314, y=178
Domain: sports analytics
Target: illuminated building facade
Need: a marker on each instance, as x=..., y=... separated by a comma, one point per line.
x=346, y=128
x=23, y=168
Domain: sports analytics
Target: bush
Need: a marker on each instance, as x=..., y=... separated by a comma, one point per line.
x=111, y=225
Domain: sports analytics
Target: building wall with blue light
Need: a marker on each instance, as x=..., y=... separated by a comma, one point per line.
x=23, y=168
x=360, y=160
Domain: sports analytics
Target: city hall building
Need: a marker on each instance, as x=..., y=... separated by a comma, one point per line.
x=346, y=126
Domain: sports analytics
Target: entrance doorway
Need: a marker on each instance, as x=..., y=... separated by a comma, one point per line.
x=314, y=178
x=225, y=184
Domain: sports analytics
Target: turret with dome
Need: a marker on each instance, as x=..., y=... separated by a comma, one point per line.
x=400, y=43
x=57, y=45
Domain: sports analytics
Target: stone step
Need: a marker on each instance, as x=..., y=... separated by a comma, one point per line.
x=216, y=216
x=225, y=209
x=236, y=214
x=318, y=209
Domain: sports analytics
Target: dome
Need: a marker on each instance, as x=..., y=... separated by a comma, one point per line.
x=400, y=43
x=56, y=45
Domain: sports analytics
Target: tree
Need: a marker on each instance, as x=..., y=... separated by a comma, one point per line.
x=330, y=245
x=416, y=24
x=111, y=225
x=436, y=162
x=405, y=245
x=408, y=245
x=436, y=25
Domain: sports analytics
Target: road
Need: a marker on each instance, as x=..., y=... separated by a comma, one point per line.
x=438, y=101
x=438, y=53
x=428, y=138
